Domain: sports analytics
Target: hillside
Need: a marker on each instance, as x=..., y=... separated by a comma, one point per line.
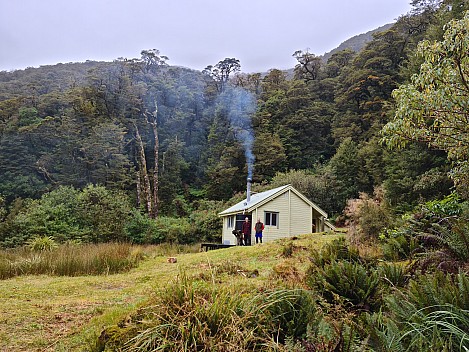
x=357, y=42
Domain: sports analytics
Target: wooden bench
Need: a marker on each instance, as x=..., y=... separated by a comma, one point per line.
x=211, y=246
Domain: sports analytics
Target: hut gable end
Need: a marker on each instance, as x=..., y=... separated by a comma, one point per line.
x=284, y=211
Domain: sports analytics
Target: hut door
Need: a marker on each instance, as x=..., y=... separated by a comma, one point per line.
x=240, y=219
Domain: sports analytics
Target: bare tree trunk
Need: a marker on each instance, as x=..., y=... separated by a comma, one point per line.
x=139, y=190
x=154, y=125
x=143, y=173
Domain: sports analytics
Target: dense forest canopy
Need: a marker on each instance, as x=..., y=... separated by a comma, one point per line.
x=178, y=143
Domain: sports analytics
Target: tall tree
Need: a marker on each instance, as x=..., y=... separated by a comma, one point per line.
x=152, y=59
x=433, y=107
x=221, y=72
x=152, y=119
x=171, y=189
x=309, y=65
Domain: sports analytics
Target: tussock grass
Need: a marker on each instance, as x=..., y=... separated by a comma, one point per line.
x=191, y=317
x=70, y=260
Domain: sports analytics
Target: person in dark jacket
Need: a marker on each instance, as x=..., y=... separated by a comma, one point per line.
x=259, y=226
x=246, y=229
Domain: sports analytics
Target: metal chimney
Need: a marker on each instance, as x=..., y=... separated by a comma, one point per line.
x=248, y=192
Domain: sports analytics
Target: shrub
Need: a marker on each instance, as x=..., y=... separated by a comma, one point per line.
x=140, y=229
x=394, y=274
x=367, y=216
x=172, y=230
x=205, y=223
x=437, y=229
x=46, y=243
x=398, y=244
x=338, y=249
x=103, y=214
x=94, y=214
x=352, y=283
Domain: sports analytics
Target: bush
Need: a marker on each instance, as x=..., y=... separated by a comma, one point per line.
x=437, y=229
x=140, y=229
x=94, y=214
x=45, y=243
x=172, y=230
x=347, y=283
x=103, y=214
x=398, y=245
x=367, y=217
x=206, y=225
x=342, y=277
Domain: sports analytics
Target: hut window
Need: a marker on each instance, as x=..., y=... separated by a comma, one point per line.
x=271, y=219
x=230, y=222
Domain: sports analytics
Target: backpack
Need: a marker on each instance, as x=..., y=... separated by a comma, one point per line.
x=259, y=226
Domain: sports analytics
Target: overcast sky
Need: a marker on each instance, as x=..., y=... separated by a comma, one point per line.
x=262, y=34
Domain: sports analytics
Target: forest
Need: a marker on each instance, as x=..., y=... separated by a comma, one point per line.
x=140, y=142
x=149, y=143
x=139, y=152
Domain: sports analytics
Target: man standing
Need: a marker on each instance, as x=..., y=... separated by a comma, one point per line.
x=259, y=227
x=246, y=229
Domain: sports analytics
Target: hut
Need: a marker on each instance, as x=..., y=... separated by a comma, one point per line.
x=284, y=211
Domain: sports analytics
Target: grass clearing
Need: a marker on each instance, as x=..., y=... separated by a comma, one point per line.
x=48, y=313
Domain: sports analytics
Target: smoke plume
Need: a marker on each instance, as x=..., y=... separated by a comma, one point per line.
x=241, y=106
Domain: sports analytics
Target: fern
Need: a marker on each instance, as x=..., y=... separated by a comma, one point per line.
x=431, y=314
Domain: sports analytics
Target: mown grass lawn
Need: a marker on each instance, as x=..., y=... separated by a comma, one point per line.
x=46, y=313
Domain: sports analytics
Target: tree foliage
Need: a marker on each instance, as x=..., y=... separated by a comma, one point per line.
x=433, y=107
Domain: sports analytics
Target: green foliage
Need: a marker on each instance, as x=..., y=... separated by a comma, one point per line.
x=415, y=174
x=94, y=214
x=141, y=229
x=289, y=314
x=319, y=185
x=367, y=217
x=431, y=314
x=39, y=244
x=344, y=167
x=206, y=225
x=103, y=214
x=54, y=215
x=3, y=211
x=432, y=107
x=437, y=228
x=172, y=230
x=398, y=244
x=342, y=277
x=395, y=274
x=170, y=181
x=348, y=283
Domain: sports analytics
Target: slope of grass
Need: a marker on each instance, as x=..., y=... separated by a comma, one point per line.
x=44, y=313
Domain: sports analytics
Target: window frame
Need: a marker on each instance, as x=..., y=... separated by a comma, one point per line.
x=268, y=218
x=230, y=222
